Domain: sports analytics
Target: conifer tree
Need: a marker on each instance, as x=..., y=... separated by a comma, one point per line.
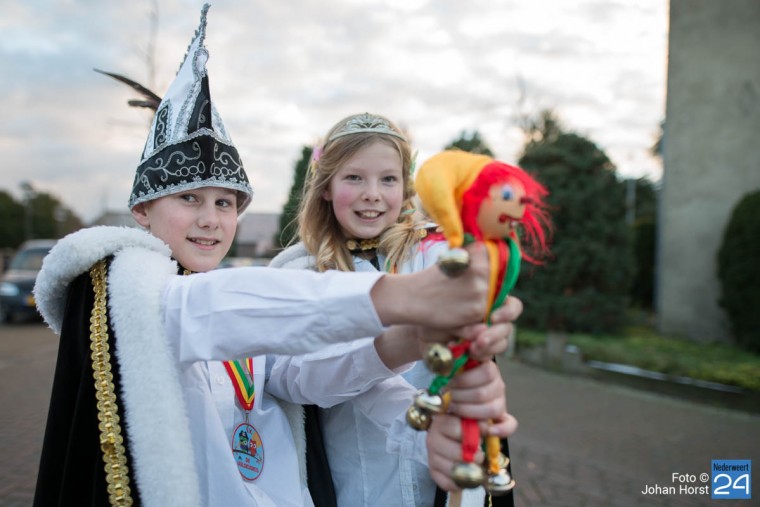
x=471, y=142
x=288, y=227
x=584, y=286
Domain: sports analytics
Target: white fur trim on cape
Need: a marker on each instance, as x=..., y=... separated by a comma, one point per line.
x=164, y=463
x=294, y=257
x=296, y=419
x=74, y=255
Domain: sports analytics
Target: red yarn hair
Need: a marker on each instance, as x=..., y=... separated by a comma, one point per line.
x=535, y=221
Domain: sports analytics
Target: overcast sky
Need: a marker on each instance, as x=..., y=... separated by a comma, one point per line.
x=282, y=73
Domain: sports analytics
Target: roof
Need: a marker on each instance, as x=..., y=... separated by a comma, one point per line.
x=116, y=218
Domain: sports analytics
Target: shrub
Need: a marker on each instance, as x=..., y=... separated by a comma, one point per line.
x=585, y=286
x=739, y=271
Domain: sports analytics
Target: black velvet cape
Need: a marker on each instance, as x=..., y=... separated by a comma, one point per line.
x=71, y=464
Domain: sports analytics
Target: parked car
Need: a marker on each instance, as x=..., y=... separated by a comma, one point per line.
x=16, y=284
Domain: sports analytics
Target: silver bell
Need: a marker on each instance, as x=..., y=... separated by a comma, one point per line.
x=499, y=483
x=428, y=402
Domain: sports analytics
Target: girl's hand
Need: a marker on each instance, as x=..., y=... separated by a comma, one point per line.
x=494, y=339
x=478, y=393
x=445, y=449
x=487, y=341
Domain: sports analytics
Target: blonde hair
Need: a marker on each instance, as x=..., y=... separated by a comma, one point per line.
x=318, y=228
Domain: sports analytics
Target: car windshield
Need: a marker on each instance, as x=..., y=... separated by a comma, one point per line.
x=29, y=260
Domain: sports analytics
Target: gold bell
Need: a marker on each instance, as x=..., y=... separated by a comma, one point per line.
x=418, y=418
x=499, y=483
x=454, y=262
x=428, y=402
x=468, y=475
x=439, y=359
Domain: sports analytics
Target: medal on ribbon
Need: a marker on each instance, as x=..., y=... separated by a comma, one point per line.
x=247, y=448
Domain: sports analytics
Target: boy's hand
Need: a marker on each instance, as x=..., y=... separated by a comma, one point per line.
x=432, y=299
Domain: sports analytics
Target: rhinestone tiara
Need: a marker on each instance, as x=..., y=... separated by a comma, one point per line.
x=366, y=123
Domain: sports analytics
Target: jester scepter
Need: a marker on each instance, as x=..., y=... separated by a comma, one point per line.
x=476, y=198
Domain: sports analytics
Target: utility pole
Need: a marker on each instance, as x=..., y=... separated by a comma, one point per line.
x=29, y=193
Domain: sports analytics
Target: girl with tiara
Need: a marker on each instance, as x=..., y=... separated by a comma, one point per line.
x=358, y=214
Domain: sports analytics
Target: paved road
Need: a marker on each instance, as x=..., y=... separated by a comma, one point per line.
x=585, y=443
x=580, y=442
x=27, y=360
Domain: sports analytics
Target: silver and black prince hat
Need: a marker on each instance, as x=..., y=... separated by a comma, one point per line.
x=188, y=146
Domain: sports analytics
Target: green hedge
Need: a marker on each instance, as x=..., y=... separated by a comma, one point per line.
x=739, y=272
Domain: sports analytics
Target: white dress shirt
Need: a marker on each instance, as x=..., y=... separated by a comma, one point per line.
x=222, y=317
x=376, y=458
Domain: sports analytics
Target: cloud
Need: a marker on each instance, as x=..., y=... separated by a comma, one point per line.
x=282, y=73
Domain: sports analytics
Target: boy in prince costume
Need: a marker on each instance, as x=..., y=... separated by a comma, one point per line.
x=475, y=198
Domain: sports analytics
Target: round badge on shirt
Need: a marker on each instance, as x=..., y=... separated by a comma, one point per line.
x=248, y=451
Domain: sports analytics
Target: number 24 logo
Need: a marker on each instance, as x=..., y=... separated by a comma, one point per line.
x=731, y=483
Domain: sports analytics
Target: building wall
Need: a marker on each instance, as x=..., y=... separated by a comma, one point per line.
x=256, y=233
x=711, y=155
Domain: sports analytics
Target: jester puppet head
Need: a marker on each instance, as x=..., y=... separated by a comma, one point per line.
x=466, y=193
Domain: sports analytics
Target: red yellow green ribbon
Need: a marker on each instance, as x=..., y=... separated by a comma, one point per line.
x=241, y=376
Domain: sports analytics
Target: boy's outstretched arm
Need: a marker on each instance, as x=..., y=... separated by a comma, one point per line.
x=251, y=311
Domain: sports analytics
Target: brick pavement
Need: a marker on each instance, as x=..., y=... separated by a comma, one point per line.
x=585, y=443
x=27, y=359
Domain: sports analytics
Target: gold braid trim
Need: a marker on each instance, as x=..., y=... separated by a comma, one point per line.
x=111, y=441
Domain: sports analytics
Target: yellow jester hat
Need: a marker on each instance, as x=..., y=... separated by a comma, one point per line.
x=441, y=182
